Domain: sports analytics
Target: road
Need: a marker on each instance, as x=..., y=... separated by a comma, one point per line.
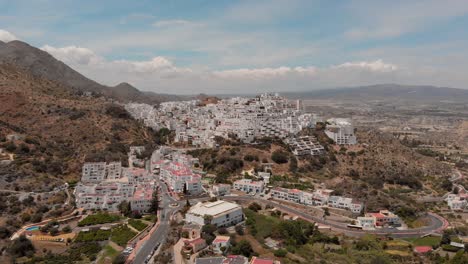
x=437, y=223
x=160, y=234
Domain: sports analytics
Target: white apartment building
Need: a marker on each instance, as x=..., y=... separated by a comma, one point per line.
x=93, y=172
x=142, y=199
x=341, y=131
x=249, y=186
x=305, y=145
x=105, y=186
x=319, y=197
x=219, y=213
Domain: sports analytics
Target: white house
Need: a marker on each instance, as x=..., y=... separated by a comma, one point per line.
x=341, y=131
x=220, y=244
x=249, y=186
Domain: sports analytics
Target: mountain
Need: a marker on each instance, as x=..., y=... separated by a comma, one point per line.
x=58, y=129
x=41, y=64
x=388, y=92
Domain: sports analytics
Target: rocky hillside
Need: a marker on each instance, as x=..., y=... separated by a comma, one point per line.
x=43, y=65
x=54, y=130
x=379, y=171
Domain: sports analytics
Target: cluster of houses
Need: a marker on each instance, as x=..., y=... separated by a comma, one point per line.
x=321, y=197
x=458, y=201
x=379, y=219
x=221, y=214
x=105, y=185
x=266, y=115
x=177, y=170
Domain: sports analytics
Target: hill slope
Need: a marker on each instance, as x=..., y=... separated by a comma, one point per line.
x=58, y=129
x=41, y=64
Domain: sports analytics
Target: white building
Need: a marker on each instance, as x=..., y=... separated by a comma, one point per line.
x=220, y=244
x=142, y=199
x=319, y=197
x=221, y=189
x=93, y=172
x=219, y=213
x=105, y=186
x=306, y=145
x=249, y=186
x=341, y=131
x=266, y=115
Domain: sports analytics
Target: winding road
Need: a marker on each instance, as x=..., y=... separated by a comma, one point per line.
x=437, y=223
x=159, y=235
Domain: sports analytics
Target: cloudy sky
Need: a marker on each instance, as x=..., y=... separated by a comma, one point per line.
x=220, y=46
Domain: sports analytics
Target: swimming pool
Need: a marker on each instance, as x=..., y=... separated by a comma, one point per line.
x=32, y=228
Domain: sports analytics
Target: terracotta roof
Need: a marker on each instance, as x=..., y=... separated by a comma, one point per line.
x=422, y=249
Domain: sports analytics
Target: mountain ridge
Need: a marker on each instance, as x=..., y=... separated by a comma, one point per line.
x=387, y=91
x=42, y=64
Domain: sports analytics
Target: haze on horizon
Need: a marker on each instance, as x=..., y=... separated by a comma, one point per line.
x=216, y=47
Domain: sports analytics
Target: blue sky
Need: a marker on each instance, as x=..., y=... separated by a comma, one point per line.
x=238, y=46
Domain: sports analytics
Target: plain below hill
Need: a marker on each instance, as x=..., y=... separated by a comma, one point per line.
x=43, y=65
x=387, y=92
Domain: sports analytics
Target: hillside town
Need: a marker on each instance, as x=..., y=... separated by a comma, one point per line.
x=247, y=119
x=106, y=185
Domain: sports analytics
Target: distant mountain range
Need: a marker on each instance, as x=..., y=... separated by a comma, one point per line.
x=41, y=64
x=386, y=92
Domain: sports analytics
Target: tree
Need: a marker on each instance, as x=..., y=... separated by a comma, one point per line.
x=66, y=229
x=222, y=231
x=207, y=219
x=120, y=259
x=154, y=207
x=125, y=208
x=209, y=228
x=445, y=238
x=255, y=207
x=243, y=248
x=281, y=253
x=239, y=230
x=54, y=231
x=4, y=232
x=279, y=157
x=21, y=247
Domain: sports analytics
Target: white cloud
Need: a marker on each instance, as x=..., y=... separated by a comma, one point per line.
x=160, y=74
x=89, y=62
x=6, y=36
x=73, y=55
x=375, y=66
x=263, y=73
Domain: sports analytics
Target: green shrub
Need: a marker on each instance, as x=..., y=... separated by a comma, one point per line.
x=448, y=247
x=281, y=253
x=96, y=235
x=137, y=224
x=121, y=235
x=279, y=157
x=99, y=218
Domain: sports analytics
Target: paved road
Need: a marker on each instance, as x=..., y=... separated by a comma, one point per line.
x=437, y=223
x=160, y=234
